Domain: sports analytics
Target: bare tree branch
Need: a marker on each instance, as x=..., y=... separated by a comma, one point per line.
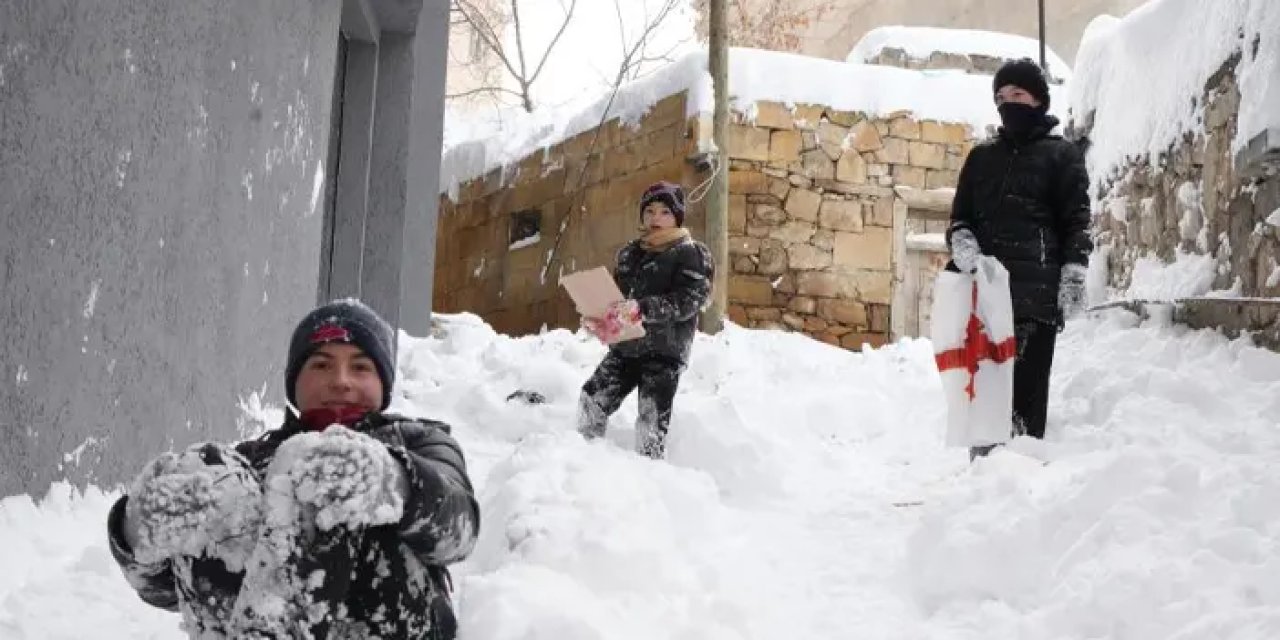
x=568, y=16
x=515, y=17
x=486, y=31
x=486, y=90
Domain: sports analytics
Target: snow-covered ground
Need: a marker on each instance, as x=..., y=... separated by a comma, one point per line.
x=807, y=495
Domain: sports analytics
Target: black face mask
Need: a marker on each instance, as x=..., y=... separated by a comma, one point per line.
x=1020, y=118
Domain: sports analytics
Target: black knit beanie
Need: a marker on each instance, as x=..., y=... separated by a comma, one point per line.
x=667, y=193
x=1024, y=73
x=349, y=321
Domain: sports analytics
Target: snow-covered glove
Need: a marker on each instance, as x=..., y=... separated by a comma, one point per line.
x=205, y=500
x=965, y=250
x=1071, y=291
x=617, y=318
x=349, y=478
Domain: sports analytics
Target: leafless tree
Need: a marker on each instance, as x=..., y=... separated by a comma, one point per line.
x=517, y=63
x=767, y=24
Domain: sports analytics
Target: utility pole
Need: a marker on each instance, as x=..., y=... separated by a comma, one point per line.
x=718, y=196
x=1043, y=67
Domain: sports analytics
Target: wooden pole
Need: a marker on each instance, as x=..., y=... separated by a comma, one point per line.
x=718, y=197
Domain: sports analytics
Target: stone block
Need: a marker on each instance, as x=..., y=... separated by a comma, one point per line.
x=804, y=305
x=831, y=137
x=773, y=115
x=904, y=127
x=870, y=249
x=806, y=257
x=794, y=231
x=818, y=284
x=851, y=168
x=894, y=151
x=841, y=215
x=785, y=148
x=744, y=246
x=816, y=165
x=844, y=312
x=909, y=176
x=749, y=143
x=864, y=137
x=803, y=204
x=940, y=179
x=751, y=290
x=927, y=155
x=773, y=258
x=767, y=214
x=747, y=182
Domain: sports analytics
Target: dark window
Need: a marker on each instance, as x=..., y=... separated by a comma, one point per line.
x=526, y=227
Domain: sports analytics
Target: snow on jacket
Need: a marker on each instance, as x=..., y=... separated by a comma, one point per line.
x=671, y=286
x=439, y=527
x=1026, y=200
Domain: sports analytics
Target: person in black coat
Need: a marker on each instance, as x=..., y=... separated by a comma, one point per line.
x=666, y=278
x=1022, y=197
x=338, y=524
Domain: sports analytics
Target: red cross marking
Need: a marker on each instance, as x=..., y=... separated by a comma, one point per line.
x=977, y=347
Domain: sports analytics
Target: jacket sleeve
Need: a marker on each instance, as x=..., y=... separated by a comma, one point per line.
x=962, y=214
x=1073, y=211
x=691, y=285
x=154, y=583
x=441, y=516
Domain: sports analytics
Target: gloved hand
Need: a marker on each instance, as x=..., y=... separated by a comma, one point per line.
x=965, y=250
x=205, y=500
x=619, y=316
x=1071, y=290
x=349, y=478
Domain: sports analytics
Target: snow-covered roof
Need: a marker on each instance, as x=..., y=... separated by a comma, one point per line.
x=920, y=42
x=1143, y=77
x=754, y=75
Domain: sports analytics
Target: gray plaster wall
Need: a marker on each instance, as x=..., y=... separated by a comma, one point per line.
x=160, y=190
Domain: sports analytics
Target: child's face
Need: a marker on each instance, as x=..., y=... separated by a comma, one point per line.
x=656, y=216
x=337, y=375
x=1014, y=93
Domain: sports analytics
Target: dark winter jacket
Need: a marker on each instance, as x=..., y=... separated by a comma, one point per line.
x=670, y=286
x=399, y=568
x=1026, y=200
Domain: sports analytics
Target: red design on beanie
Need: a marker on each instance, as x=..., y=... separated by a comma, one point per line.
x=329, y=333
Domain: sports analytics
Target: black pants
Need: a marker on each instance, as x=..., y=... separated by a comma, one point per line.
x=613, y=380
x=1036, y=341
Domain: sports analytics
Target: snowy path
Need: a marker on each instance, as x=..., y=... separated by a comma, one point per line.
x=806, y=495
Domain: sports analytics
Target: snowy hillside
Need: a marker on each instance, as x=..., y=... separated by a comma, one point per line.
x=1142, y=77
x=807, y=496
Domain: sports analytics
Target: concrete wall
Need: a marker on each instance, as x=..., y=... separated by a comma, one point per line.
x=164, y=180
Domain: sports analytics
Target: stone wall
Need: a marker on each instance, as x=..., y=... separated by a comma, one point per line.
x=595, y=179
x=1195, y=199
x=834, y=35
x=814, y=221
x=973, y=63
x=817, y=230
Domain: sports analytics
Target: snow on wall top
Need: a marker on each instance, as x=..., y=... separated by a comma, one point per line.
x=1139, y=75
x=754, y=75
x=919, y=42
